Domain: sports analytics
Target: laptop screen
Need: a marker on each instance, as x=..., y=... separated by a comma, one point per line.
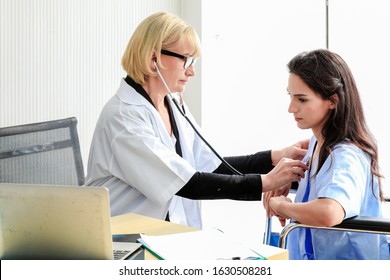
x=54, y=222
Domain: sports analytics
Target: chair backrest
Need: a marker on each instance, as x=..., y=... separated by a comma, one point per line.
x=41, y=153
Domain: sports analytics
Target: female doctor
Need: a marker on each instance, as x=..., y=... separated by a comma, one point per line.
x=149, y=156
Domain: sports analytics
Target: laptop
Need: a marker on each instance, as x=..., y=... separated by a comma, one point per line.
x=58, y=222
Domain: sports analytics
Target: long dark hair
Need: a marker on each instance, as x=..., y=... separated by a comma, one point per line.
x=327, y=74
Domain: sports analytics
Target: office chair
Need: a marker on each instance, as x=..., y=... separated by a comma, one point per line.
x=41, y=153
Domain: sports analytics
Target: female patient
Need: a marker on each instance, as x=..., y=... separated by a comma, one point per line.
x=343, y=179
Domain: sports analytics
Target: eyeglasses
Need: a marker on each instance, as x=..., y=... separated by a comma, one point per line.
x=188, y=60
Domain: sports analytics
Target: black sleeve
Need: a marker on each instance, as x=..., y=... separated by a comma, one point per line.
x=260, y=163
x=221, y=186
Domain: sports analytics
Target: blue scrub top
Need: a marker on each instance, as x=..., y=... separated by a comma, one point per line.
x=345, y=177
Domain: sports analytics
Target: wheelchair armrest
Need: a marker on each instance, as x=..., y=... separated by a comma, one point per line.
x=369, y=224
x=357, y=224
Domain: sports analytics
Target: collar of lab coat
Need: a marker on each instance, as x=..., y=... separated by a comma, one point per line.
x=133, y=93
x=125, y=93
x=129, y=95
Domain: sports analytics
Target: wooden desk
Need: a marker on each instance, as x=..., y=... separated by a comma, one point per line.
x=134, y=223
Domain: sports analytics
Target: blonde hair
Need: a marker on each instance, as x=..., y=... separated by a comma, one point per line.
x=158, y=31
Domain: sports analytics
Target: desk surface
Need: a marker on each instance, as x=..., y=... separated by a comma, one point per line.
x=134, y=223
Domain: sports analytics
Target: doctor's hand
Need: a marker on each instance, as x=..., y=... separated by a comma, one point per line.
x=295, y=151
x=285, y=172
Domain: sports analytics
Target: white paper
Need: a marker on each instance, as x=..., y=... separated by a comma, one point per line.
x=198, y=245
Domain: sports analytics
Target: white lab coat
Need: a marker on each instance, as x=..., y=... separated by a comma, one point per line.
x=133, y=155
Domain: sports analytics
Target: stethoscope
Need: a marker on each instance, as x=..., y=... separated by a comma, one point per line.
x=183, y=113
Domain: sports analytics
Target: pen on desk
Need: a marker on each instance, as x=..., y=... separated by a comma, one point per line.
x=233, y=258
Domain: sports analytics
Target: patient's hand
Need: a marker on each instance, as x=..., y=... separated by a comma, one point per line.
x=274, y=206
x=268, y=195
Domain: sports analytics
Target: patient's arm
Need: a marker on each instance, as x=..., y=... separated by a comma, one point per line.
x=320, y=212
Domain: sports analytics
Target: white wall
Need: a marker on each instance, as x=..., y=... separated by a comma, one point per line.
x=192, y=13
x=244, y=83
x=360, y=34
x=61, y=58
